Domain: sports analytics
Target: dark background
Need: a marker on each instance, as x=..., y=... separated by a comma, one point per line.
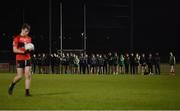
x=112, y=25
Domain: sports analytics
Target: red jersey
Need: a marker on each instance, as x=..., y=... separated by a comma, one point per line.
x=19, y=42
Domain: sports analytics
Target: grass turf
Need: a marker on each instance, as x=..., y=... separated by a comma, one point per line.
x=93, y=92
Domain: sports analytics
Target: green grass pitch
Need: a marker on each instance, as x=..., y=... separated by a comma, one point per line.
x=93, y=92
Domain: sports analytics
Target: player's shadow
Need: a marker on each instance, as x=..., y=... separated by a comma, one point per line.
x=51, y=94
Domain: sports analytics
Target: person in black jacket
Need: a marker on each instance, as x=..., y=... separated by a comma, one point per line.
x=86, y=63
x=137, y=62
x=67, y=63
x=39, y=57
x=110, y=63
x=34, y=63
x=52, y=59
x=93, y=63
x=56, y=63
x=71, y=64
x=150, y=63
x=126, y=63
x=105, y=65
x=45, y=63
x=157, y=63
x=115, y=63
x=101, y=63
x=81, y=63
x=63, y=63
x=143, y=63
x=132, y=63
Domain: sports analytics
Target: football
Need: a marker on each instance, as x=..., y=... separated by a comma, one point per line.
x=29, y=46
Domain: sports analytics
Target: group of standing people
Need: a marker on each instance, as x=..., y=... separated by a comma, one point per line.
x=111, y=63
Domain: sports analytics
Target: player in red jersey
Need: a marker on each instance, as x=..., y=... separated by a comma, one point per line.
x=23, y=59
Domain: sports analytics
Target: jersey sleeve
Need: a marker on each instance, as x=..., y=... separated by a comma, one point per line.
x=15, y=42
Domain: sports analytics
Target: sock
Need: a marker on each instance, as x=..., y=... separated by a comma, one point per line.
x=10, y=90
x=27, y=92
x=12, y=85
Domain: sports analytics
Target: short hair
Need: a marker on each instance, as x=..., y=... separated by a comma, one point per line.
x=26, y=26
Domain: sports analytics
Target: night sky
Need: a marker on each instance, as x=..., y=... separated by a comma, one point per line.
x=109, y=24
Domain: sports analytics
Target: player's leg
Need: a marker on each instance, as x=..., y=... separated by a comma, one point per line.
x=16, y=79
x=171, y=68
x=159, y=69
x=27, y=75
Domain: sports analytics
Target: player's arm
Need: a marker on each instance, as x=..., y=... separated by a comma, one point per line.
x=16, y=50
x=15, y=47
